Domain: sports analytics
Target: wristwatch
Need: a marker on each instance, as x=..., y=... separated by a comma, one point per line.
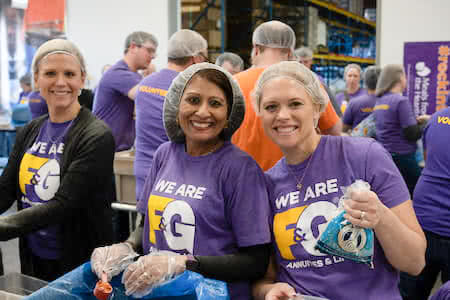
x=192, y=264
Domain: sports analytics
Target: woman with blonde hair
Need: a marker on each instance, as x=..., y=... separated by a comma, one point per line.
x=59, y=172
x=305, y=186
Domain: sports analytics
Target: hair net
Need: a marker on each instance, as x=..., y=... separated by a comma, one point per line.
x=56, y=46
x=234, y=59
x=185, y=43
x=297, y=72
x=274, y=34
x=371, y=77
x=303, y=52
x=389, y=76
x=176, y=90
x=352, y=66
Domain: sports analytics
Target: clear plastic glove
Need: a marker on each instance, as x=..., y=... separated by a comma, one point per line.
x=151, y=270
x=112, y=260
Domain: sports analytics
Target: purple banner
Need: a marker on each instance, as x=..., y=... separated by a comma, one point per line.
x=427, y=73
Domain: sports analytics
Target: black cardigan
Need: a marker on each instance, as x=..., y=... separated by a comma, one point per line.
x=81, y=205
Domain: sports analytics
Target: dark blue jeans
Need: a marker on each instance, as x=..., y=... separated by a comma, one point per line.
x=437, y=259
x=409, y=168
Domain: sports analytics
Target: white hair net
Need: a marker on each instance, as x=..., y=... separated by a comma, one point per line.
x=298, y=72
x=176, y=90
x=185, y=43
x=274, y=34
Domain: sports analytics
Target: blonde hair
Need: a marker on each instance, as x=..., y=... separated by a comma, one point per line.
x=56, y=46
x=296, y=71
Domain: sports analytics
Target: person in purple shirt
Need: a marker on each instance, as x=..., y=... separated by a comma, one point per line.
x=183, y=50
x=37, y=104
x=115, y=93
x=197, y=199
x=25, y=85
x=361, y=107
x=59, y=172
x=352, y=77
x=432, y=206
x=396, y=127
x=305, y=187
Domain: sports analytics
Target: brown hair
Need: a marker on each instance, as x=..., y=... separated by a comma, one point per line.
x=221, y=80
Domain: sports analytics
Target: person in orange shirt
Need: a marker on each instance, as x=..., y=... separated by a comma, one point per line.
x=273, y=42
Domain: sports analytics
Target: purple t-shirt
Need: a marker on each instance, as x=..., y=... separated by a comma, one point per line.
x=341, y=101
x=23, y=97
x=393, y=113
x=112, y=105
x=299, y=217
x=432, y=192
x=443, y=293
x=205, y=205
x=39, y=178
x=150, y=131
x=37, y=104
x=358, y=109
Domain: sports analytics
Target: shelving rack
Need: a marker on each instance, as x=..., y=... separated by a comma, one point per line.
x=239, y=19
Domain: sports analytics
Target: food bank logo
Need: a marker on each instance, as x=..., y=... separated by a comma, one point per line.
x=422, y=70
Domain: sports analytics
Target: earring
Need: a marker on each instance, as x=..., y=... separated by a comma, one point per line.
x=226, y=124
x=316, y=123
x=79, y=92
x=177, y=121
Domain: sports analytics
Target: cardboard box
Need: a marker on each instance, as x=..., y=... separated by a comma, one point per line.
x=214, y=38
x=124, y=175
x=203, y=24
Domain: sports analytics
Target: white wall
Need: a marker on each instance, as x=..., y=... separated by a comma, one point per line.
x=99, y=28
x=400, y=21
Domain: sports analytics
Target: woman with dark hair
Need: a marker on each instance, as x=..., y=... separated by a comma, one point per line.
x=397, y=128
x=59, y=172
x=203, y=197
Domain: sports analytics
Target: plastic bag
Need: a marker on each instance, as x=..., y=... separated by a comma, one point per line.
x=80, y=283
x=342, y=238
x=366, y=128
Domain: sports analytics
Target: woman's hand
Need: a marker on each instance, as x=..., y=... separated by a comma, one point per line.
x=111, y=260
x=151, y=270
x=363, y=209
x=280, y=291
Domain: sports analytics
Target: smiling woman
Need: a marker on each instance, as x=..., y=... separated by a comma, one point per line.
x=203, y=197
x=303, y=190
x=59, y=171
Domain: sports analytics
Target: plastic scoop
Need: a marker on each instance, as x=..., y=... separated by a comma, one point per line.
x=103, y=289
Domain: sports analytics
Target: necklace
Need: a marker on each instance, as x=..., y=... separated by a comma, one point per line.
x=299, y=184
x=50, y=138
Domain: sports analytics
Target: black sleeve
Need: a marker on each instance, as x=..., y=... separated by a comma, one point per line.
x=413, y=133
x=250, y=263
x=90, y=168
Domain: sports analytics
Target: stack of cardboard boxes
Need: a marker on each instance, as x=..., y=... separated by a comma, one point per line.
x=204, y=16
